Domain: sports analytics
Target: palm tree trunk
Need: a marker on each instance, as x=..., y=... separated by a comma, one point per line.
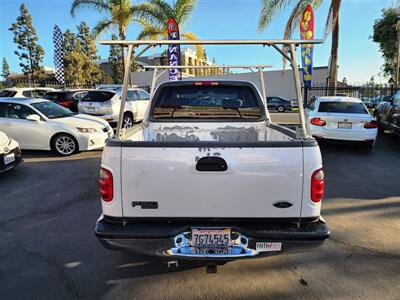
x=332, y=82
x=122, y=36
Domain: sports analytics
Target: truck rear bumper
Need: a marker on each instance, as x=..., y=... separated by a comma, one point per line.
x=161, y=238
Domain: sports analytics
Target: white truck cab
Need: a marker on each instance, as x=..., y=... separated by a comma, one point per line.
x=207, y=176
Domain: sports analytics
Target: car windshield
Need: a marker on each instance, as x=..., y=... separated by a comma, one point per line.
x=53, y=96
x=207, y=102
x=342, y=107
x=7, y=93
x=52, y=110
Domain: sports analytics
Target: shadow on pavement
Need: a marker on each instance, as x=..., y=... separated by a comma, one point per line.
x=354, y=172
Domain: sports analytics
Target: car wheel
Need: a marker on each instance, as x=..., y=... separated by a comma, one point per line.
x=369, y=145
x=128, y=121
x=64, y=145
x=280, y=108
x=381, y=129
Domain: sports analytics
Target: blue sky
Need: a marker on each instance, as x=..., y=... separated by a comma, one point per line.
x=359, y=57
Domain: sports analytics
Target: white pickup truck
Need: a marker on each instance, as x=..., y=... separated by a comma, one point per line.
x=207, y=176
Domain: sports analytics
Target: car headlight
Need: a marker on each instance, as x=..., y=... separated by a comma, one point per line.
x=86, y=130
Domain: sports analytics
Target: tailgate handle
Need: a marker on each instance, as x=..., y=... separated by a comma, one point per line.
x=211, y=163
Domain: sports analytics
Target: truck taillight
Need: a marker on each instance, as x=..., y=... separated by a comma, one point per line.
x=106, y=185
x=317, y=185
x=371, y=124
x=317, y=122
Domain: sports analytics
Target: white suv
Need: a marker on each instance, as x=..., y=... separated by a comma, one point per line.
x=106, y=105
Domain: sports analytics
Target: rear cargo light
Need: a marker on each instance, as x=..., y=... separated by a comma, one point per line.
x=206, y=83
x=371, y=124
x=106, y=185
x=317, y=185
x=317, y=122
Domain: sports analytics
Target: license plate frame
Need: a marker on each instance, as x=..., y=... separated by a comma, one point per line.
x=9, y=158
x=211, y=237
x=210, y=251
x=345, y=125
x=268, y=246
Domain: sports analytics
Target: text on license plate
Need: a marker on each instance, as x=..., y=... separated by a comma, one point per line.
x=9, y=158
x=345, y=125
x=211, y=237
x=91, y=109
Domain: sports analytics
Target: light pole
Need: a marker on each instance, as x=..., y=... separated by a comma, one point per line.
x=398, y=54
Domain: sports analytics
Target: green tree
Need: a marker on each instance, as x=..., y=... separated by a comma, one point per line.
x=154, y=19
x=5, y=71
x=79, y=54
x=119, y=14
x=114, y=58
x=385, y=34
x=87, y=40
x=30, y=53
x=269, y=8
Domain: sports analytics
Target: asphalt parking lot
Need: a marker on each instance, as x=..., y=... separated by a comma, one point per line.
x=49, y=206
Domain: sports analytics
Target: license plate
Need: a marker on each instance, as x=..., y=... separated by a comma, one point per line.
x=211, y=237
x=9, y=158
x=91, y=109
x=344, y=125
x=266, y=246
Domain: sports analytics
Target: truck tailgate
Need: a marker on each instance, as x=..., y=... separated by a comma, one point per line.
x=163, y=182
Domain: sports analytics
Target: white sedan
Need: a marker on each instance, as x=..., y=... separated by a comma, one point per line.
x=341, y=118
x=39, y=124
x=17, y=92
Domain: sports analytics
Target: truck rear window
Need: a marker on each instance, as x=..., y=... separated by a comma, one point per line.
x=207, y=102
x=98, y=96
x=342, y=107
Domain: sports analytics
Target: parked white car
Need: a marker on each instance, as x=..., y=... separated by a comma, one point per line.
x=17, y=92
x=39, y=124
x=106, y=105
x=343, y=119
x=10, y=153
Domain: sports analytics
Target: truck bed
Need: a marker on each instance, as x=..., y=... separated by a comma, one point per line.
x=230, y=134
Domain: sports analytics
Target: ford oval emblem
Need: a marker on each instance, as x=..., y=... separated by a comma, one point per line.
x=6, y=149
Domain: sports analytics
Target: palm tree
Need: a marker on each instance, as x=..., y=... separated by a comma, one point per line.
x=154, y=18
x=270, y=8
x=120, y=13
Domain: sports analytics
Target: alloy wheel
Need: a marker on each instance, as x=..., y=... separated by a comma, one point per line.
x=65, y=145
x=128, y=122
